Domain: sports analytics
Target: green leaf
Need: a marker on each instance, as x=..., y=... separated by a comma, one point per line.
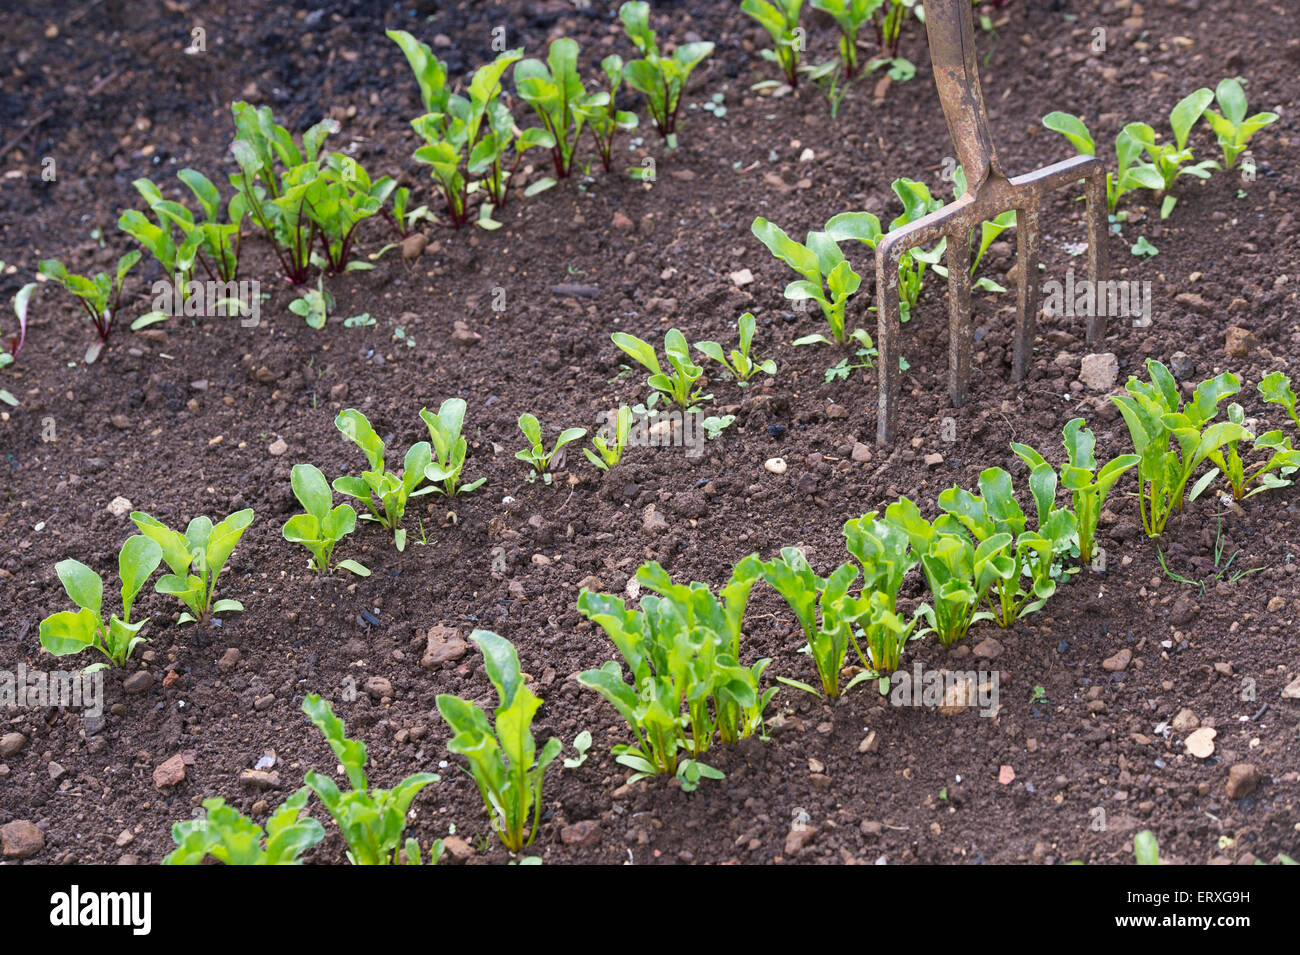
x=312, y=490
x=82, y=584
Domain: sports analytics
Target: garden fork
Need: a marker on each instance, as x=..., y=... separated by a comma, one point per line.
x=950, y=27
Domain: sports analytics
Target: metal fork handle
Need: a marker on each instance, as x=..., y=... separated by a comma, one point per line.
x=950, y=28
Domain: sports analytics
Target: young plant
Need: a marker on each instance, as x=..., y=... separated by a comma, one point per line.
x=741, y=366
x=610, y=445
x=98, y=296
x=554, y=90
x=958, y=573
x=204, y=549
x=990, y=229
x=1276, y=390
x=504, y=761
x=850, y=16
x=780, y=18
x=828, y=279
x=177, y=261
x=68, y=632
x=1231, y=127
x=917, y=202
x=448, y=448
x=679, y=386
x=220, y=240
x=826, y=613
x=1282, y=458
x=680, y=649
x=1128, y=174
x=232, y=838
x=661, y=79
x=1030, y=553
x=890, y=17
x=277, y=178
x=16, y=342
x=371, y=820
x=1155, y=414
x=535, y=455
x=340, y=199
x=603, y=118
x=886, y=555
x=464, y=135
x=314, y=305
x=1171, y=160
x=384, y=493
x=323, y=525
x=1087, y=485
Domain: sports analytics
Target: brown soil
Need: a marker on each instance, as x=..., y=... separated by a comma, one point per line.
x=179, y=422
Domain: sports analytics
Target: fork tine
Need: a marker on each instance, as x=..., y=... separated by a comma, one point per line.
x=1097, y=231
x=1027, y=290
x=888, y=323
x=959, y=317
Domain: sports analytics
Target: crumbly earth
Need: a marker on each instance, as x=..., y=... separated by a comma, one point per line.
x=181, y=420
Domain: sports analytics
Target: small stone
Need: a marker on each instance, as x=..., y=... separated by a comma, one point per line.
x=1201, y=743
x=1242, y=780
x=583, y=834
x=622, y=222
x=1118, y=662
x=119, y=506
x=124, y=839
x=456, y=850
x=378, y=687
x=11, y=743
x=1185, y=721
x=988, y=649
x=775, y=465
x=1184, y=611
x=229, y=660
x=170, y=773
x=264, y=702
x=870, y=827
x=870, y=743
x=742, y=277
x=120, y=421
x=259, y=779
x=1277, y=604
x=141, y=681
x=798, y=838
x=1006, y=775
x=1292, y=690
x=861, y=452
x=957, y=697
x=462, y=335
x=277, y=448
x=21, y=839
x=413, y=245
x=836, y=412
x=933, y=459
x=443, y=645
x=1182, y=365
x=56, y=770
x=1238, y=341
x=653, y=521
x=1099, y=372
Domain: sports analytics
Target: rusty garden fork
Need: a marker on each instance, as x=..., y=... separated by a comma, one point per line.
x=951, y=31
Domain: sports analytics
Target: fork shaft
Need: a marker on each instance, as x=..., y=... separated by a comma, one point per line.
x=959, y=318
x=1026, y=291
x=950, y=30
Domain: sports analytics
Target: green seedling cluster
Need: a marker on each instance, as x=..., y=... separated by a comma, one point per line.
x=99, y=297
x=384, y=492
x=677, y=386
x=687, y=684
x=601, y=114
x=1142, y=161
x=503, y=757
x=196, y=559
x=1280, y=460
x=660, y=79
x=371, y=820
x=323, y=525
x=780, y=18
x=448, y=448
x=70, y=632
x=885, y=554
x=609, y=448
x=1088, y=485
x=742, y=366
x=231, y=838
x=1171, y=439
x=535, y=455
